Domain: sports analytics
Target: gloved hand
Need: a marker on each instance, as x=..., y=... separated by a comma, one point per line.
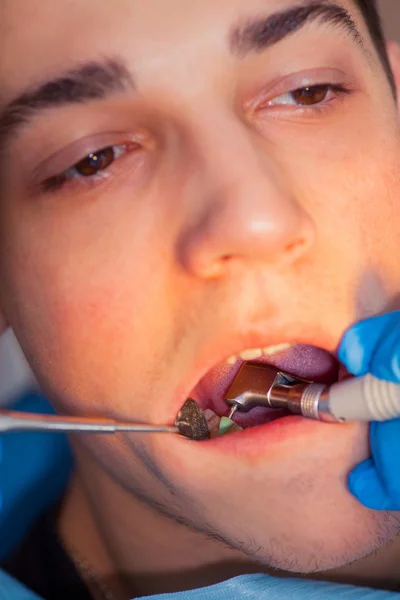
x=373, y=346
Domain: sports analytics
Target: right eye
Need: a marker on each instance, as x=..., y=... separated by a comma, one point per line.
x=90, y=166
x=95, y=162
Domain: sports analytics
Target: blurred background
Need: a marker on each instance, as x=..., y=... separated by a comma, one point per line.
x=390, y=10
x=15, y=376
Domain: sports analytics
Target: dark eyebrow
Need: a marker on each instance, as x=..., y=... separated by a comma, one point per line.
x=97, y=79
x=89, y=81
x=259, y=34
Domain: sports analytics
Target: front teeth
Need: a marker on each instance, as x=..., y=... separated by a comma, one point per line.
x=231, y=360
x=270, y=350
x=253, y=353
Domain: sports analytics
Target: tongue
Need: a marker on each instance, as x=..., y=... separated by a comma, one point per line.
x=306, y=362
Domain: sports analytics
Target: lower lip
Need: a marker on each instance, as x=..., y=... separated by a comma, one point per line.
x=254, y=441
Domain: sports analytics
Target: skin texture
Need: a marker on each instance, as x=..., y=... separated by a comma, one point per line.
x=228, y=224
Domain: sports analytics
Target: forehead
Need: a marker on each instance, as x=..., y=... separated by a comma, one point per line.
x=43, y=37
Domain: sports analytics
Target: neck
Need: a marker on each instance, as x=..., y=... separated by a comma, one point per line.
x=379, y=570
x=135, y=550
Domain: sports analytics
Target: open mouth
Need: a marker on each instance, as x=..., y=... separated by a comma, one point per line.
x=299, y=360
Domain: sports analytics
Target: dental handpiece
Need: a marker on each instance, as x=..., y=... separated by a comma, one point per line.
x=355, y=399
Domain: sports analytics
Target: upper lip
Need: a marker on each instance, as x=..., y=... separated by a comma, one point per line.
x=218, y=353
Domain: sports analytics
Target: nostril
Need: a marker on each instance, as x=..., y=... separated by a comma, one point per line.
x=229, y=234
x=292, y=246
x=295, y=248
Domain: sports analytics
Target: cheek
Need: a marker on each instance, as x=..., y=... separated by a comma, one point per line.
x=349, y=174
x=85, y=318
x=354, y=202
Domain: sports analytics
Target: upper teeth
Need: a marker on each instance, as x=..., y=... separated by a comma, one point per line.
x=253, y=353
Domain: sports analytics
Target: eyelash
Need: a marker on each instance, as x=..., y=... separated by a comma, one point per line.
x=114, y=152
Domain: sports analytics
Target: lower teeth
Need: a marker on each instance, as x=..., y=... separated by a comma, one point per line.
x=196, y=424
x=218, y=426
x=228, y=426
x=213, y=421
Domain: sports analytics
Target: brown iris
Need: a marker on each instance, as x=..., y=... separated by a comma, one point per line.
x=310, y=95
x=97, y=161
x=87, y=167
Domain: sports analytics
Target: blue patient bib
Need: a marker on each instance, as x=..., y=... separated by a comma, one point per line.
x=12, y=590
x=264, y=587
x=246, y=587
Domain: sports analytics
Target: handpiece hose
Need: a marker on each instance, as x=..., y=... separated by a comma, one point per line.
x=356, y=399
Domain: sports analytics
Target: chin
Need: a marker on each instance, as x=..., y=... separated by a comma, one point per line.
x=306, y=531
x=285, y=506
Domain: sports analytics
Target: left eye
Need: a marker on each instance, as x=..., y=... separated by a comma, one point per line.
x=307, y=96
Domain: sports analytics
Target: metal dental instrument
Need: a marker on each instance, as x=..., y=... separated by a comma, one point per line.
x=357, y=399
x=11, y=421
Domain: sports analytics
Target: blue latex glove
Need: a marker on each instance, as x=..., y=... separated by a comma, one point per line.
x=373, y=346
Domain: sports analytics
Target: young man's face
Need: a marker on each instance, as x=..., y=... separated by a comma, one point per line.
x=227, y=213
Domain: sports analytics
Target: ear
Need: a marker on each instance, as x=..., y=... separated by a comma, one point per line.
x=393, y=50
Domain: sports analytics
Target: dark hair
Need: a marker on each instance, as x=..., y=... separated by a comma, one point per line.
x=370, y=12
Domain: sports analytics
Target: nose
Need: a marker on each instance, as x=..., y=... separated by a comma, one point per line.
x=243, y=212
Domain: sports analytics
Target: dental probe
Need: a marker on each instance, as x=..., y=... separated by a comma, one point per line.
x=356, y=399
x=11, y=421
